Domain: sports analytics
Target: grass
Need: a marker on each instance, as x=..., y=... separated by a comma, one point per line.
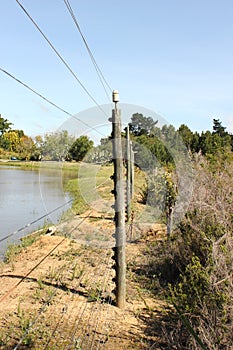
x=43, y=164
x=15, y=248
x=84, y=189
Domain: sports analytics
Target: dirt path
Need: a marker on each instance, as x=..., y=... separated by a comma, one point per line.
x=57, y=294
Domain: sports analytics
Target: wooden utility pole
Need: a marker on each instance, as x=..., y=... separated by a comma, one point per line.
x=128, y=175
x=119, y=206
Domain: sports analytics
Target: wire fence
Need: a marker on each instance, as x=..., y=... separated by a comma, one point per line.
x=84, y=308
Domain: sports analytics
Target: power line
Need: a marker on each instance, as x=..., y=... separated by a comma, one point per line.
x=61, y=58
x=35, y=92
x=49, y=101
x=97, y=68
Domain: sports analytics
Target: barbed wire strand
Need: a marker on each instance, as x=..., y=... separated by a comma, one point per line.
x=34, y=321
x=97, y=312
x=62, y=268
x=83, y=305
x=97, y=68
x=60, y=57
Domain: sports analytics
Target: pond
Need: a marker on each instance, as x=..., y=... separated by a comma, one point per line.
x=29, y=199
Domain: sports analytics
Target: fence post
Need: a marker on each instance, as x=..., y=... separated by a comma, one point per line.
x=119, y=206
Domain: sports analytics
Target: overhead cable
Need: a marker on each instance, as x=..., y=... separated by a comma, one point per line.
x=50, y=102
x=97, y=68
x=35, y=92
x=61, y=58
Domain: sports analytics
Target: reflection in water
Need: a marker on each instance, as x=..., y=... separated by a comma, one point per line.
x=26, y=195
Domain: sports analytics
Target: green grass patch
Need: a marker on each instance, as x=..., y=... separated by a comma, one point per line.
x=15, y=248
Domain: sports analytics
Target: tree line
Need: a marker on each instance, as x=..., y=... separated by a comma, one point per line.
x=57, y=146
x=144, y=131
x=159, y=140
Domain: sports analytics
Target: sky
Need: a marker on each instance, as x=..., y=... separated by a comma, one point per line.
x=172, y=57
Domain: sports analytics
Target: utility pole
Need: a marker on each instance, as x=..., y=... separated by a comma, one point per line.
x=128, y=175
x=119, y=206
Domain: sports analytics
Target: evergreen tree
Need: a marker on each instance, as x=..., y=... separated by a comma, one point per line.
x=141, y=125
x=80, y=148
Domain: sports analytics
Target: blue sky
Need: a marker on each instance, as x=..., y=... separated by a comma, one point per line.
x=174, y=57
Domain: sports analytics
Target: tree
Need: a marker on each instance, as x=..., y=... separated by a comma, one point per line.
x=205, y=142
x=218, y=128
x=56, y=145
x=27, y=148
x=141, y=125
x=5, y=125
x=10, y=141
x=101, y=153
x=186, y=135
x=80, y=148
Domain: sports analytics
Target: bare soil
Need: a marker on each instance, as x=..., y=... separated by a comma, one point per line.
x=58, y=292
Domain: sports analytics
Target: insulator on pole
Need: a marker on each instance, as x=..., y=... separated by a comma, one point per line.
x=115, y=96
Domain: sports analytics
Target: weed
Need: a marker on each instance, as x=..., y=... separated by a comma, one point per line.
x=40, y=284
x=14, y=249
x=76, y=272
x=94, y=294
x=77, y=344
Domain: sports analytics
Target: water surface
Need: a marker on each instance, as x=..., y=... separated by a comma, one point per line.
x=27, y=196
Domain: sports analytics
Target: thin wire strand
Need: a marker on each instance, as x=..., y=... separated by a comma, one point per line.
x=45, y=215
x=60, y=57
x=91, y=312
x=100, y=309
x=27, y=275
x=35, y=92
x=82, y=309
x=39, y=313
x=35, y=221
x=97, y=68
x=31, y=270
x=49, y=101
x=55, y=291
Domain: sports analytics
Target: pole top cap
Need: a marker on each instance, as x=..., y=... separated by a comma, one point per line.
x=115, y=96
